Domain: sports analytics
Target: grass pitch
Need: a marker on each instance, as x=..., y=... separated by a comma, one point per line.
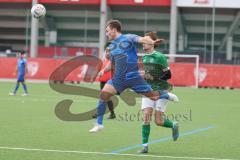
x=29, y=129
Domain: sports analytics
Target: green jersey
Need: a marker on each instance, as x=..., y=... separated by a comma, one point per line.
x=155, y=64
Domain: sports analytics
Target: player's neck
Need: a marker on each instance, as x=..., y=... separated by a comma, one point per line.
x=118, y=35
x=150, y=51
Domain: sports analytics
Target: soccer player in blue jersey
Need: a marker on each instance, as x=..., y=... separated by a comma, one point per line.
x=21, y=71
x=124, y=59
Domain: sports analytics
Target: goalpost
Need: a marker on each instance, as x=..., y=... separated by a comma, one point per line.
x=172, y=58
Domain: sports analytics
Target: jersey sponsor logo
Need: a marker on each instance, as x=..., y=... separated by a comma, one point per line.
x=125, y=45
x=32, y=68
x=112, y=46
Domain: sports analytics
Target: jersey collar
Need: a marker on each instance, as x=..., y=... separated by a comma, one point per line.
x=151, y=53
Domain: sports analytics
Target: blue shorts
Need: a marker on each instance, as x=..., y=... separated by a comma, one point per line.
x=137, y=84
x=20, y=79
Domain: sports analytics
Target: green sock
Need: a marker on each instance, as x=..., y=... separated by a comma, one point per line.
x=167, y=123
x=145, y=133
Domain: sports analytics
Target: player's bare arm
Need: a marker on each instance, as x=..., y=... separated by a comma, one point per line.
x=148, y=40
x=105, y=69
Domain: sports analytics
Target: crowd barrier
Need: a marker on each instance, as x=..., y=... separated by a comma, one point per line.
x=183, y=74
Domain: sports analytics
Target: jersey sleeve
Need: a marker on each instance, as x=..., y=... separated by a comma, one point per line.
x=133, y=37
x=164, y=62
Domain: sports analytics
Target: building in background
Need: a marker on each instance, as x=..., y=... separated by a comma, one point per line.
x=209, y=28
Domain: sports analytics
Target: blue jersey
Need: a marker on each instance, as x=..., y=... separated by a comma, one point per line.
x=123, y=54
x=21, y=66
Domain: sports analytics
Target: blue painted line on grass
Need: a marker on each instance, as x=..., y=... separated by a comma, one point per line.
x=163, y=139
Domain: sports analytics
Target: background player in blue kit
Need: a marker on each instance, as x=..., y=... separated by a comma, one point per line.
x=21, y=71
x=123, y=56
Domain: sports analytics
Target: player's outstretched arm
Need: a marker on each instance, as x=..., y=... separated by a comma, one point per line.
x=105, y=69
x=148, y=40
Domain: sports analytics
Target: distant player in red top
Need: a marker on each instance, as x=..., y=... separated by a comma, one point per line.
x=104, y=76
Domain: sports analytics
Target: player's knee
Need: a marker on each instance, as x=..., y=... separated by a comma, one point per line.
x=147, y=118
x=159, y=122
x=104, y=96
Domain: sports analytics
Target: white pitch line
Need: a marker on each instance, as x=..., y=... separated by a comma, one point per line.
x=104, y=153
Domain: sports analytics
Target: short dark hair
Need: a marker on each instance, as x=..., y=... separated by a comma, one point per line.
x=115, y=24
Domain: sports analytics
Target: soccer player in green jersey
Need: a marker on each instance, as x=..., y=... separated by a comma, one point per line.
x=157, y=72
